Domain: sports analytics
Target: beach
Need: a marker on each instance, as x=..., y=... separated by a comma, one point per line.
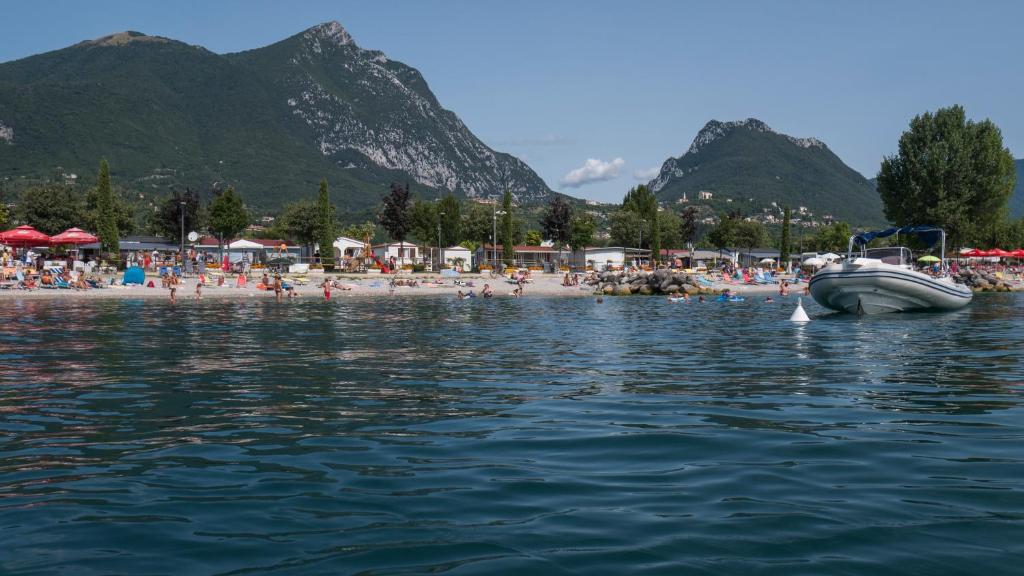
x=358, y=285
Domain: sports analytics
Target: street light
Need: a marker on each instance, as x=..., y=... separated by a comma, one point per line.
x=494, y=234
x=439, y=215
x=182, y=203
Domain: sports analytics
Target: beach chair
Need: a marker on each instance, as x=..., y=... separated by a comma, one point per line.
x=59, y=282
x=770, y=278
x=704, y=281
x=759, y=277
x=747, y=279
x=23, y=283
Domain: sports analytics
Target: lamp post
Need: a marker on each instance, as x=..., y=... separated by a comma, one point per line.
x=494, y=234
x=439, y=255
x=182, y=204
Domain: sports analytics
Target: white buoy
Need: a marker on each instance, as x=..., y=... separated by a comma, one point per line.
x=799, y=315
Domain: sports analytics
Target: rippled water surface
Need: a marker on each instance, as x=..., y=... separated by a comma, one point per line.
x=531, y=436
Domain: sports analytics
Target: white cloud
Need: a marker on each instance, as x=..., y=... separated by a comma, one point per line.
x=593, y=170
x=646, y=174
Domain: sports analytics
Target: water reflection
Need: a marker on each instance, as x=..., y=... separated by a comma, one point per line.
x=532, y=435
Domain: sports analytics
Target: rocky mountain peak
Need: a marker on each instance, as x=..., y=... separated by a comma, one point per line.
x=715, y=129
x=331, y=32
x=124, y=38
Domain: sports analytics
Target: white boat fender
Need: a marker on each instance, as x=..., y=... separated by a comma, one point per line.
x=799, y=315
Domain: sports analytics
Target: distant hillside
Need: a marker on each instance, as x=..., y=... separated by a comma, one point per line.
x=271, y=121
x=747, y=159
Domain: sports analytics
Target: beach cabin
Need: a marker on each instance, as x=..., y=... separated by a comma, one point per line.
x=611, y=257
x=458, y=257
x=408, y=253
x=757, y=256
x=701, y=258
x=346, y=248
x=542, y=257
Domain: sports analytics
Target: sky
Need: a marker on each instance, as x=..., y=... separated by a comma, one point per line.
x=595, y=95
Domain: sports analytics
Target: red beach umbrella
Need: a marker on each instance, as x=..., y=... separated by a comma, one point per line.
x=974, y=253
x=1001, y=253
x=73, y=236
x=1018, y=253
x=24, y=237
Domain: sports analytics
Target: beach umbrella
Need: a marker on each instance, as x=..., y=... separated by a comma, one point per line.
x=928, y=258
x=815, y=262
x=973, y=253
x=767, y=261
x=1000, y=253
x=1018, y=253
x=24, y=237
x=829, y=256
x=74, y=236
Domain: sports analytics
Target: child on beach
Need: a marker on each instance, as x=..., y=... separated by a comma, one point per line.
x=327, y=289
x=199, y=290
x=172, y=283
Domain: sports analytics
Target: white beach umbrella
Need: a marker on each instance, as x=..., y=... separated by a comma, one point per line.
x=814, y=262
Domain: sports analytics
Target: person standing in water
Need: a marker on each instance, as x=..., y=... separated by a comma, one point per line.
x=199, y=290
x=327, y=289
x=172, y=283
x=278, y=287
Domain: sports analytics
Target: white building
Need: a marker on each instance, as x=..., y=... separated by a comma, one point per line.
x=458, y=257
x=610, y=257
x=408, y=253
x=346, y=248
x=704, y=195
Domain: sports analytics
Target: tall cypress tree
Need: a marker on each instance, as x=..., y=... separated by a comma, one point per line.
x=106, y=228
x=784, y=243
x=325, y=227
x=508, y=246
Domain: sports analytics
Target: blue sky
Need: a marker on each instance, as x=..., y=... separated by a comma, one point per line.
x=628, y=83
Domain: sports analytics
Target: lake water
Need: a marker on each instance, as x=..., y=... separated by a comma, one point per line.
x=530, y=436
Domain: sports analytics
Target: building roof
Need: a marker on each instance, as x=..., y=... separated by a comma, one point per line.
x=526, y=249
x=266, y=242
x=398, y=244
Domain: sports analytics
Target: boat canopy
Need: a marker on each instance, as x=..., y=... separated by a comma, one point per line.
x=927, y=234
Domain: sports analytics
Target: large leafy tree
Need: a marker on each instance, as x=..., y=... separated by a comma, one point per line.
x=533, y=238
x=51, y=209
x=298, y=222
x=833, y=238
x=507, y=230
x=642, y=202
x=424, y=223
x=477, y=223
x=106, y=225
x=167, y=217
x=396, y=214
x=325, y=213
x=557, y=221
x=951, y=172
x=582, y=230
x=751, y=234
x=364, y=231
x=450, y=215
x=725, y=234
x=627, y=228
x=669, y=225
x=688, y=224
x=228, y=215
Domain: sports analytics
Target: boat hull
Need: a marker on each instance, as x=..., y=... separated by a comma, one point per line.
x=881, y=288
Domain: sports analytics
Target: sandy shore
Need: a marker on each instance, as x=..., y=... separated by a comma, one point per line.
x=360, y=286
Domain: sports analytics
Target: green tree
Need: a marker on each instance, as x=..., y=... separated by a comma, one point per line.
x=364, y=231
x=641, y=201
x=396, y=215
x=451, y=221
x=228, y=216
x=51, y=208
x=424, y=223
x=325, y=226
x=298, y=221
x=785, y=247
x=670, y=225
x=833, y=238
x=166, y=220
x=106, y=225
x=950, y=172
x=725, y=233
x=477, y=223
x=507, y=230
x=627, y=228
x=688, y=225
x=582, y=228
x=4, y=216
x=534, y=238
x=557, y=221
x=750, y=234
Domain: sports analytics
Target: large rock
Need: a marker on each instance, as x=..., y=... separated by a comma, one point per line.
x=608, y=288
x=622, y=290
x=646, y=290
x=691, y=289
x=672, y=289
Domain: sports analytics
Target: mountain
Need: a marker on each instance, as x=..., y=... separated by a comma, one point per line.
x=1017, y=200
x=271, y=121
x=746, y=160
